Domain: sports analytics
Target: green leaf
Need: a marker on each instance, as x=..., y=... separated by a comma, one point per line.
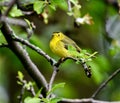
x=71, y=48
x=32, y=100
x=56, y=86
x=15, y=12
x=75, y=2
x=60, y=3
x=46, y=100
x=39, y=6
x=38, y=93
x=20, y=76
x=52, y=6
x=55, y=100
x=29, y=23
x=28, y=85
x=20, y=83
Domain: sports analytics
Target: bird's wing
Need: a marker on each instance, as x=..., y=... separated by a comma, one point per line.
x=69, y=42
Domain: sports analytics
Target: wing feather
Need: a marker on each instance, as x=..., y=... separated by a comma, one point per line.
x=67, y=41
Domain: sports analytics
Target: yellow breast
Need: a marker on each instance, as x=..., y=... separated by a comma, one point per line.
x=57, y=47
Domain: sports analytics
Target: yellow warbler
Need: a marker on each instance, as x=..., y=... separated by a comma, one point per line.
x=59, y=44
x=65, y=47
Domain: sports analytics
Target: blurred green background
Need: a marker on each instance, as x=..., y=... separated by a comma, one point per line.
x=103, y=36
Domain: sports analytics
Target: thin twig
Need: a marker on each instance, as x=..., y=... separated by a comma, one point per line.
x=83, y=63
x=86, y=68
x=22, y=91
x=69, y=6
x=105, y=83
x=55, y=71
x=86, y=100
x=31, y=89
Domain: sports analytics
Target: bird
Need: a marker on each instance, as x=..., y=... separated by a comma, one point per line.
x=65, y=47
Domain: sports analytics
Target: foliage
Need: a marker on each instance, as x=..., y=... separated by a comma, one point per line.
x=36, y=99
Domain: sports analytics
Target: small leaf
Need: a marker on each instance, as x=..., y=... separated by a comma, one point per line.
x=32, y=100
x=55, y=100
x=39, y=6
x=52, y=7
x=15, y=12
x=60, y=3
x=29, y=23
x=70, y=13
x=39, y=92
x=45, y=100
x=28, y=85
x=75, y=2
x=20, y=76
x=20, y=83
x=56, y=86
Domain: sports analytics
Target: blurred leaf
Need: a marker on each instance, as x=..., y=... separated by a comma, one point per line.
x=99, y=66
x=20, y=76
x=60, y=3
x=29, y=23
x=15, y=12
x=56, y=86
x=76, y=11
x=52, y=6
x=75, y=2
x=20, y=83
x=32, y=100
x=2, y=38
x=55, y=100
x=39, y=92
x=28, y=85
x=39, y=6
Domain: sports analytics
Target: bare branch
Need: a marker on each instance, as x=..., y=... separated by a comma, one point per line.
x=105, y=83
x=87, y=100
x=55, y=70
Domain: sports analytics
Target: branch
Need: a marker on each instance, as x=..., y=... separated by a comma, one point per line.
x=87, y=100
x=105, y=83
x=23, y=56
x=55, y=71
x=20, y=97
x=83, y=63
x=14, y=21
x=35, y=48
